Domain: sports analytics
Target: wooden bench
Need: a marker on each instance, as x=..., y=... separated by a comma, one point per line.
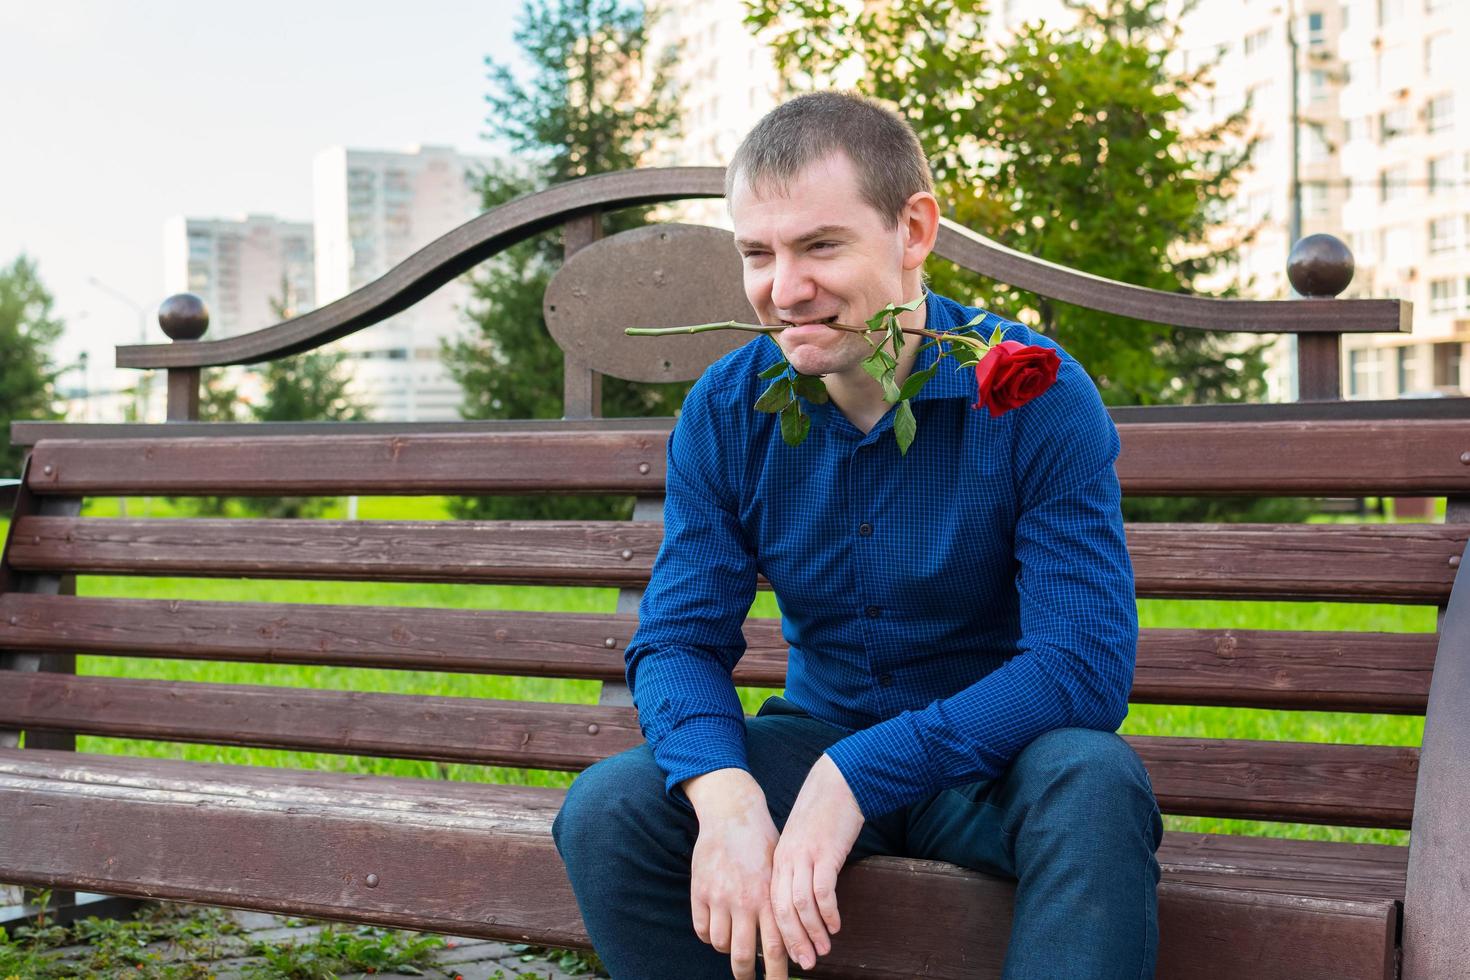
x=477, y=859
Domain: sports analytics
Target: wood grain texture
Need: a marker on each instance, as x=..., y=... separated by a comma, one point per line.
x=1362, y=563
x=1436, y=940
x=477, y=860
x=1322, y=671
x=1355, y=785
x=1421, y=457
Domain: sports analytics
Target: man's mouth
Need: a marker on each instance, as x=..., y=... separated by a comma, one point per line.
x=809, y=323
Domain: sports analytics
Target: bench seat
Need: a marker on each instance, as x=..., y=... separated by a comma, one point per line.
x=364, y=848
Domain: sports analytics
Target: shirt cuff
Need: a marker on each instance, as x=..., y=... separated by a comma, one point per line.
x=885, y=766
x=698, y=746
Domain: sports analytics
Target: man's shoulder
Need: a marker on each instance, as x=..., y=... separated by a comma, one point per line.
x=734, y=379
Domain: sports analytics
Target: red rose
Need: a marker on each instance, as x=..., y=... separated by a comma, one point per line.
x=1012, y=373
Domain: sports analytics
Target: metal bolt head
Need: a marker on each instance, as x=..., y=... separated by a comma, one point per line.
x=1454, y=561
x=627, y=554
x=48, y=469
x=593, y=729
x=371, y=881
x=14, y=620
x=610, y=642
x=644, y=468
x=1465, y=458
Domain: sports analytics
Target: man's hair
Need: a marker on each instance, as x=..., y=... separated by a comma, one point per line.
x=890, y=163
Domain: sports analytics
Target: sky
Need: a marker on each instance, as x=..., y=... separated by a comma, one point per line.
x=115, y=116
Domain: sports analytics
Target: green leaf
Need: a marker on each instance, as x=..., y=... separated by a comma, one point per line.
x=995, y=336
x=795, y=424
x=890, y=388
x=812, y=388
x=963, y=354
x=904, y=427
x=776, y=397
x=774, y=371
x=875, y=365
x=876, y=321
x=975, y=321
x=916, y=382
x=912, y=304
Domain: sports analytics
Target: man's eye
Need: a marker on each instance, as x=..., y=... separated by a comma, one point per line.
x=824, y=245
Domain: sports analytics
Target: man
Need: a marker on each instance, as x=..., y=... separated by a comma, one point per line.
x=961, y=618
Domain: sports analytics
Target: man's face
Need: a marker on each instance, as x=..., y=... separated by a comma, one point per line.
x=816, y=252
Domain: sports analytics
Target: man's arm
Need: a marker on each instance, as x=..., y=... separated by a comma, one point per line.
x=679, y=667
x=1079, y=620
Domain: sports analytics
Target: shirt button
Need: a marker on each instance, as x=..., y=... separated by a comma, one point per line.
x=886, y=680
x=865, y=529
x=873, y=612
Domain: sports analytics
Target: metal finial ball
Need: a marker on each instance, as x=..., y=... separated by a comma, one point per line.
x=1320, y=265
x=183, y=316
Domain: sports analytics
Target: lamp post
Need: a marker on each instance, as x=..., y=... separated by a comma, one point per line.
x=140, y=403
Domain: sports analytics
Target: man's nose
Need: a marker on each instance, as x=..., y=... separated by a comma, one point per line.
x=791, y=286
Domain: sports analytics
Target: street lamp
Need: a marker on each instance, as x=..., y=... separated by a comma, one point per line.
x=144, y=385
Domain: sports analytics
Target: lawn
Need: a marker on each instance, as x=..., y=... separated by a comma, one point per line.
x=1144, y=719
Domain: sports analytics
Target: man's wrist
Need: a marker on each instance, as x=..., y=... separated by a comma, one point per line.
x=722, y=793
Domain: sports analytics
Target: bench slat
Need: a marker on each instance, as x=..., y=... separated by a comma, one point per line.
x=477, y=860
x=1342, y=458
x=1361, y=562
x=1324, y=671
x=1337, y=784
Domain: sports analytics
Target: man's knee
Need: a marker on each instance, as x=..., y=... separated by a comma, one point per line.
x=606, y=801
x=1086, y=766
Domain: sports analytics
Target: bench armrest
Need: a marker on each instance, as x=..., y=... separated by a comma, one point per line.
x=1436, y=942
x=8, y=491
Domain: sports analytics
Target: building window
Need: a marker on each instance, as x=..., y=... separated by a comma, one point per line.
x=1393, y=183
x=1447, y=359
x=1408, y=368
x=1438, y=113
x=1316, y=148
x=1397, y=247
x=1363, y=373
x=1255, y=42
x=1390, y=11
x=1392, y=124
x=1316, y=29
x=1441, y=178
x=1442, y=235
x=1314, y=200
x=1317, y=80
x=1437, y=54
x=1442, y=296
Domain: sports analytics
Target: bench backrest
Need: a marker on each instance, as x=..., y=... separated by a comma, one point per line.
x=1312, y=670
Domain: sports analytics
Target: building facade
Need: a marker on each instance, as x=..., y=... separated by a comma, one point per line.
x=240, y=267
x=372, y=210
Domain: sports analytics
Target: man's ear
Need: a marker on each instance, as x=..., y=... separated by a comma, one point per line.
x=919, y=225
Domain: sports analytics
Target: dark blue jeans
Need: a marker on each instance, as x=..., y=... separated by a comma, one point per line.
x=1073, y=821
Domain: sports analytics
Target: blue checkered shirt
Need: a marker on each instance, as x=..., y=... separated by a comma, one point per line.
x=945, y=607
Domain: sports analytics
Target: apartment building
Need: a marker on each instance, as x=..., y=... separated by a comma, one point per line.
x=373, y=209
x=240, y=267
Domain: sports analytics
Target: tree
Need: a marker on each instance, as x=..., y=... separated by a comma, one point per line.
x=1064, y=145
x=595, y=104
x=28, y=328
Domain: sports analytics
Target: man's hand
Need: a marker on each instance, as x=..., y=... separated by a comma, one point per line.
x=730, y=891
x=819, y=834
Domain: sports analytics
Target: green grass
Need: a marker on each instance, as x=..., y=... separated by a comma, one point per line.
x=1143, y=719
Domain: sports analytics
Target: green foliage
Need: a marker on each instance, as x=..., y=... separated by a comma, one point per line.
x=27, y=330
x=339, y=949
x=595, y=104
x=142, y=947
